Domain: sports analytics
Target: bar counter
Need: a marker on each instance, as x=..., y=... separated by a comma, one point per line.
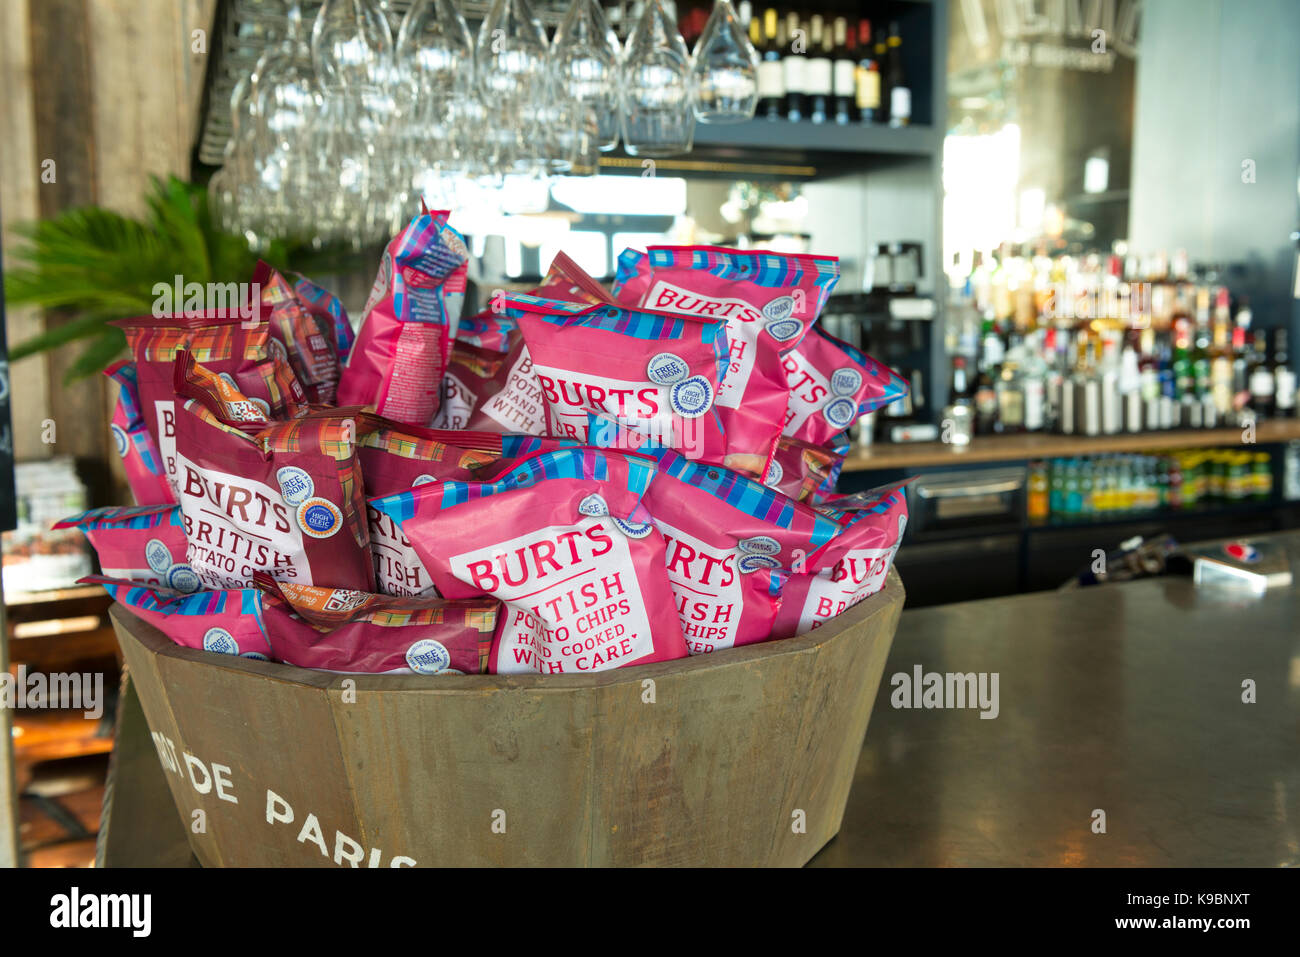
x=1124, y=698
x=1046, y=445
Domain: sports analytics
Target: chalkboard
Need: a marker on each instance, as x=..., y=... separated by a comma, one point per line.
x=8, y=510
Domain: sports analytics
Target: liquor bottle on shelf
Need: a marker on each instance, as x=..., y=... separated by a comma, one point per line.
x=1130, y=386
x=882, y=63
x=794, y=63
x=844, y=69
x=1262, y=382
x=819, y=72
x=771, y=82
x=1284, y=380
x=866, y=77
x=960, y=390
x=844, y=65
x=900, y=94
x=986, y=403
x=1011, y=397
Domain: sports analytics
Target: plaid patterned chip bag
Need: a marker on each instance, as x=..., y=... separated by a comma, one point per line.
x=288, y=500
x=307, y=340
x=360, y=633
x=144, y=544
x=563, y=542
x=231, y=622
x=228, y=345
x=852, y=566
x=397, y=363
x=328, y=310
x=631, y=277
x=831, y=385
x=395, y=457
x=769, y=301
x=802, y=470
x=655, y=373
x=566, y=280
x=838, y=447
x=487, y=330
x=136, y=446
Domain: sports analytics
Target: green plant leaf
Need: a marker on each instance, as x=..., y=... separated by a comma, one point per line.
x=96, y=357
x=100, y=265
x=79, y=328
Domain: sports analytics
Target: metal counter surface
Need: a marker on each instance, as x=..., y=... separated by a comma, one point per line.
x=1123, y=698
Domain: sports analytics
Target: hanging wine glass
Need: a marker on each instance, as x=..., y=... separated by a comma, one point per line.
x=287, y=103
x=351, y=45
x=510, y=59
x=726, y=69
x=657, y=116
x=435, y=50
x=585, y=62
x=227, y=185
x=435, y=61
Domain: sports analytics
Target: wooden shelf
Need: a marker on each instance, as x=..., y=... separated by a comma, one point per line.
x=57, y=733
x=1040, y=445
x=54, y=594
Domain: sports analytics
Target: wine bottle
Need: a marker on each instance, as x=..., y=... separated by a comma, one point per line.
x=1284, y=381
x=794, y=62
x=900, y=94
x=1263, y=385
x=866, y=77
x=818, y=77
x=844, y=69
x=771, y=82
x=882, y=64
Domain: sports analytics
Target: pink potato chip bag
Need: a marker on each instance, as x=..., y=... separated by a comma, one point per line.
x=359, y=633
x=656, y=373
x=631, y=277
x=308, y=341
x=831, y=385
x=726, y=538
x=288, y=500
x=802, y=470
x=328, y=310
x=136, y=446
x=489, y=391
x=397, y=363
x=144, y=544
x=769, y=301
x=852, y=566
x=232, y=622
x=562, y=541
x=229, y=345
x=396, y=457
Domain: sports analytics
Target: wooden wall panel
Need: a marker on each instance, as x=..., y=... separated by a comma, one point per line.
x=19, y=182
x=110, y=90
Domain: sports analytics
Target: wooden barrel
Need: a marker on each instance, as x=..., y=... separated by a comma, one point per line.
x=738, y=758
